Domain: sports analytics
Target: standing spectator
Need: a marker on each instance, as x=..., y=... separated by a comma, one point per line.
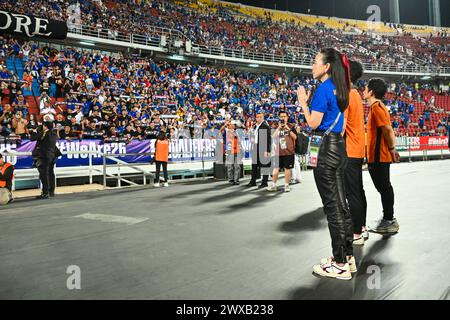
x=233, y=151
x=161, y=157
x=381, y=153
x=354, y=134
x=20, y=125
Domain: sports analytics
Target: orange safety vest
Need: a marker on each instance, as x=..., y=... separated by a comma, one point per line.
x=5, y=166
x=235, y=148
x=162, y=150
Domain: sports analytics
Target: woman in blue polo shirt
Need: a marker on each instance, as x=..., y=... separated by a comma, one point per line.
x=326, y=114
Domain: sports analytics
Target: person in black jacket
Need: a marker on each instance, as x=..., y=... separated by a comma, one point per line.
x=44, y=155
x=261, y=146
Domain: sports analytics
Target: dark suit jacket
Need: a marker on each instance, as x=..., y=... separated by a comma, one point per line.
x=45, y=149
x=264, y=142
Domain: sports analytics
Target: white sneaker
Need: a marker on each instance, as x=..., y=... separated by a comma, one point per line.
x=156, y=185
x=330, y=269
x=287, y=188
x=272, y=187
x=358, y=240
x=166, y=184
x=365, y=233
x=351, y=263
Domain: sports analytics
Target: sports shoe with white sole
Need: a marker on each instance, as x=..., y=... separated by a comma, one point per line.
x=358, y=240
x=365, y=233
x=351, y=263
x=330, y=269
x=287, y=188
x=156, y=185
x=385, y=226
x=272, y=187
x=166, y=184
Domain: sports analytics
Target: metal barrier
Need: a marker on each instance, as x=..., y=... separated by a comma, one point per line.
x=425, y=148
x=298, y=57
x=406, y=151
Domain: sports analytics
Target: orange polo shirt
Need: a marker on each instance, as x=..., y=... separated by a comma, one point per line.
x=354, y=130
x=377, y=147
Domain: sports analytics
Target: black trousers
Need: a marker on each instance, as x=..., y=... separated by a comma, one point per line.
x=356, y=196
x=260, y=168
x=329, y=177
x=380, y=174
x=158, y=169
x=47, y=176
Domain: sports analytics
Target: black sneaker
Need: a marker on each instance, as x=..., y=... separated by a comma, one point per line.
x=251, y=184
x=263, y=185
x=236, y=183
x=42, y=196
x=51, y=194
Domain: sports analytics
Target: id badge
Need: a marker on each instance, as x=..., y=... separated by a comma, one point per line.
x=283, y=144
x=313, y=150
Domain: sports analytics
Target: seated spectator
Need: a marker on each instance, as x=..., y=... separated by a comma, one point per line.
x=32, y=123
x=67, y=134
x=48, y=111
x=421, y=122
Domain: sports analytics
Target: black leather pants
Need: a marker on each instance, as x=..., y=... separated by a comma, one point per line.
x=329, y=176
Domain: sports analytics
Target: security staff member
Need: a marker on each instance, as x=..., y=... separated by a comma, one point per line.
x=261, y=151
x=6, y=176
x=44, y=155
x=233, y=151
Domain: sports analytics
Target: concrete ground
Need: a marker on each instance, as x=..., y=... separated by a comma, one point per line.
x=211, y=240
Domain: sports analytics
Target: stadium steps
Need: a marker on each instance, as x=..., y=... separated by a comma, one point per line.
x=33, y=108
x=10, y=64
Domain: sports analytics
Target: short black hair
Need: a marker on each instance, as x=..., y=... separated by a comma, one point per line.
x=283, y=111
x=48, y=124
x=356, y=70
x=378, y=86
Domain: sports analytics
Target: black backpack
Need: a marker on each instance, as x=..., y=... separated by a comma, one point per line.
x=301, y=144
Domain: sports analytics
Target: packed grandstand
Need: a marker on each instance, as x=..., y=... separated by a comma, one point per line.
x=122, y=95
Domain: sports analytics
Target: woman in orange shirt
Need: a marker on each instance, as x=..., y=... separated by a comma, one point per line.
x=161, y=157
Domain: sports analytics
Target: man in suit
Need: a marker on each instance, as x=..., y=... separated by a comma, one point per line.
x=44, y=155
x=261, y=145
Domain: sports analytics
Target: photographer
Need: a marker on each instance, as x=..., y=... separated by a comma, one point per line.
x=284, y=136
x=44, y=157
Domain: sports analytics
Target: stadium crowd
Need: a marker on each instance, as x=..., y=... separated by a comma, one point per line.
x=226, y=29
x=90, y=94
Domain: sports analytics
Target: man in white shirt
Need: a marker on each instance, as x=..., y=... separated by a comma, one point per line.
x=48, y=112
